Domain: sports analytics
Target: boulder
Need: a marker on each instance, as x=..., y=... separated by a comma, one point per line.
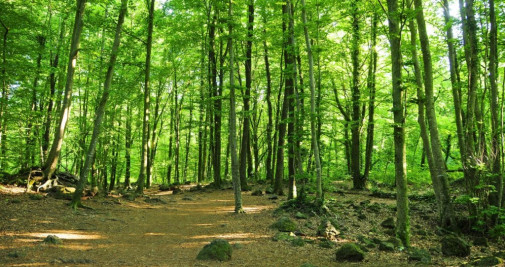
x=285, y=224
x=487, y=261
x=327, y=230
x=52, y=240
x=350, y=252
x=218, y=249
x=455, y=246
x=388, y=223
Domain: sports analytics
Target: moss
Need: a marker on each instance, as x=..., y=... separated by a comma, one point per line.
x=298, y=242
x=421, y=255
x=284, y=224
x=282, y=236
x=350, y=252
x=455, y=246
x=218, y=249
x=53, y=240
x=36, y=196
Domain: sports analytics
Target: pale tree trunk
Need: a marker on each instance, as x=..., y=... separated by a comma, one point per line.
x=269, y=160
x=188, y=140
x=402, y=219
x=128, y=145
x=313, y=114
x=53, y=157
x=233, y=121
x=147, y=92
x=446, y=214
x=100, y=111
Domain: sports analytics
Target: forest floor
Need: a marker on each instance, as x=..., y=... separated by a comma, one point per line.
x=164, y=229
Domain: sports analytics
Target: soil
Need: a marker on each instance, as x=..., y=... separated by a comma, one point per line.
x=163, y=229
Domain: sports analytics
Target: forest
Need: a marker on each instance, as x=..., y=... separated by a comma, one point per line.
x=315, y=103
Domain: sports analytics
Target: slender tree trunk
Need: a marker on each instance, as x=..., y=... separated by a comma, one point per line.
x=372, y=68
x=188, y=140
x=53, y=157
x=313, y=133
x=100, y=111
x=232, y=123
x=269, y=161
x=128, y=145
x=402, y=221
x=147, y=92
x=5, y=95
x=358, y=182
x=496, y=151
x=446, y=216
x=216, y=130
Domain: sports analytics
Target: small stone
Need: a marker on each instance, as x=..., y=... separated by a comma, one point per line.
x=218, y=249
x=417, y=254
x=350, y=252
x=389, y=223
x=487, y=261
x=455, y=246
x=52, y=240
x=284, y=224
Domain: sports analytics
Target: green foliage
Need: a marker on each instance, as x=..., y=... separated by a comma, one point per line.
x=218, y=249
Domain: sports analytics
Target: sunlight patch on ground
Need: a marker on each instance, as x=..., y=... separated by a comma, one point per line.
x=30, y=264
x=231, y=236
x=63, y=234
x=220, y=200
x=86, y=246
x=203, y=224
x=155, y=234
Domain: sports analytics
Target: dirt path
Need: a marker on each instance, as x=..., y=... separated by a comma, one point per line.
x=118, y=232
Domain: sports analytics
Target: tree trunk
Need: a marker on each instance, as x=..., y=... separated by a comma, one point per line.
x=402, y=221
x=147, y=92
x=53, y=157
x=446, y=214
x=5, y=95
x=358, y=182
x=268, y=163
x=128, y=145
x=372, y=68
x=100, y=111
x=233, y=119
x=216, y=132
x=313, y=133
x=496, y=198
x=188, y=140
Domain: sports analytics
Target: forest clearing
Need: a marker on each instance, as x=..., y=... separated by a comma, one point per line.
x=163, y=229
x=290, y=132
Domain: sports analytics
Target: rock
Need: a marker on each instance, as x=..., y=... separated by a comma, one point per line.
x=327, y=230
x=480, y=241
x=300, y=215
x=274, y=197
x=62, y=192
x=52, y=240
x=386, y=246
x=218, y=249
x=176, y=190
x=350, y=252
x=487, y=261
x=389, y=223
x=283, y=236
x=455, y=246
x=417, y=254
x=257, y=192
x=285, y=224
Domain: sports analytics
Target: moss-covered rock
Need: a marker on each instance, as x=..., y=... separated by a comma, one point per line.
x=386, y=246
x=52, y=240
x=257, y=192
x=455, y=246
x=420, y=255
x=487, y=261
x=350, y=252
x=327, y=230
x=218, y=249
x=388, y=223
x=285, y=224
x=283, y=236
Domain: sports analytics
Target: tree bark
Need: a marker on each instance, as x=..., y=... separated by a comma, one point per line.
x=147, y=92
x=53, y=157
x=233, y=119
x=100, y=111
x=402, y=221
